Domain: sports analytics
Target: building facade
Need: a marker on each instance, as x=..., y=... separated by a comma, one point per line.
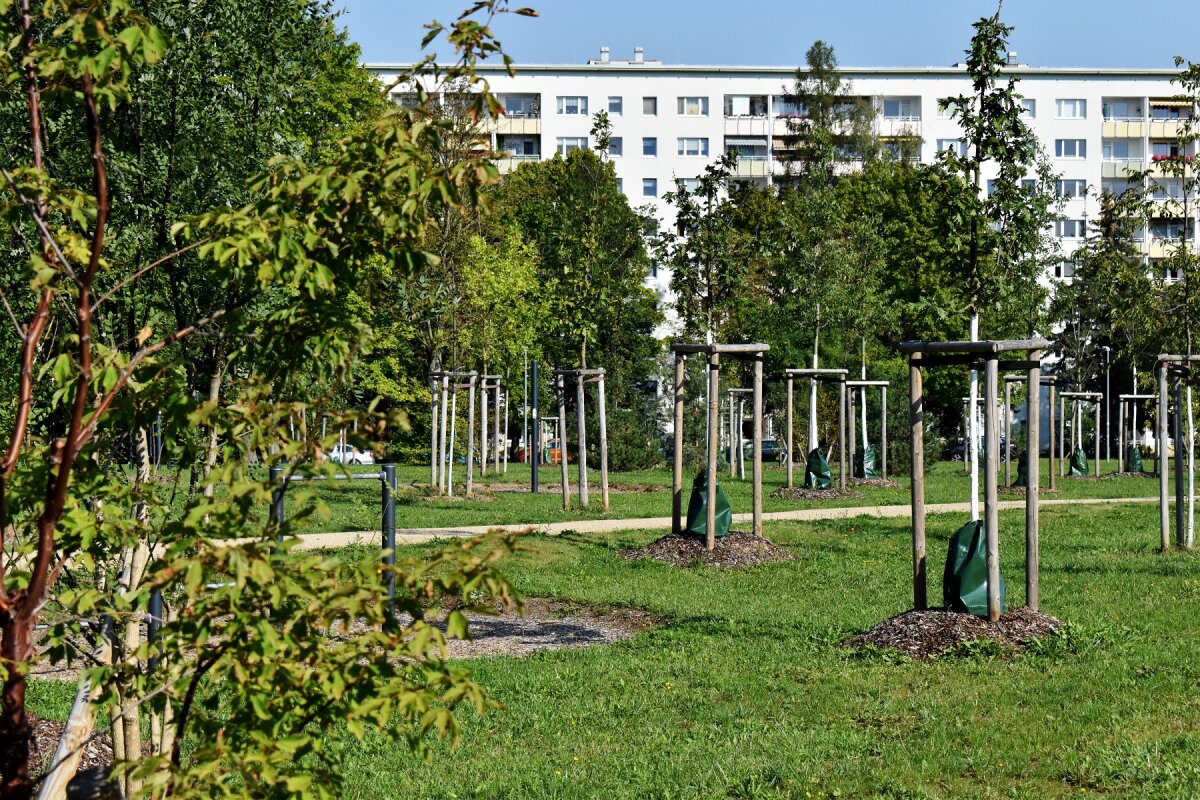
x=1097, y=126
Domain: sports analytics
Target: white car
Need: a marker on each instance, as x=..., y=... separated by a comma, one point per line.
x=349, y=454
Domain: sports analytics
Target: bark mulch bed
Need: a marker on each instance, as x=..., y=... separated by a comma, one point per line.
x=1019, y=491
x=926, y=634
x=1108, y=476
x=734, y=550
x=800, y=493
x=880, y=483
x=97, y=752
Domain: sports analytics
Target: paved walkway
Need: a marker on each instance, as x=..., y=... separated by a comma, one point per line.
x=310, y=541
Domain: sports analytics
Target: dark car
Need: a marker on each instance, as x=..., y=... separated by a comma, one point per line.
x=772, y=450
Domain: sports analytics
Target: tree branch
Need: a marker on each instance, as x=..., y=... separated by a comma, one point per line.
x=146, y=269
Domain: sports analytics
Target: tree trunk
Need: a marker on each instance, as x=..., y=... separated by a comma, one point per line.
x=16, y=649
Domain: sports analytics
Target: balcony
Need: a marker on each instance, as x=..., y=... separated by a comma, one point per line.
x=1124, y=129
x=1121, y=167
x=512, y=124
x=900, y=127
x=748, y=126
x=508, y=162
x=752, y=167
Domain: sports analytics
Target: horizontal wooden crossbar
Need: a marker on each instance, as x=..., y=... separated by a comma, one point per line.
x=990, y=347
x=720, y=349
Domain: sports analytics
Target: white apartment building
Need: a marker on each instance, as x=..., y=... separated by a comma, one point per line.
x=669, y=121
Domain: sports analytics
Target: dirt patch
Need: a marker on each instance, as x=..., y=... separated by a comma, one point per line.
x=800, y=493
x=734, y=550
x=1019, y=491
x=1114, y=475
x=97, y=752
x=925, y=634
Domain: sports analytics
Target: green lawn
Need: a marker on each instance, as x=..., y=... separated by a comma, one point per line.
x=355, y=505
x=742, y=692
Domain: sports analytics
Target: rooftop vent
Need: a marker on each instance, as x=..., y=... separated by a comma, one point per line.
x=1012, y=58
x=639, y=55
x=604, y=55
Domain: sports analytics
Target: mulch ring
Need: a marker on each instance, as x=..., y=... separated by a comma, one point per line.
x=927, y=634
x=800, y=493
x=97, y=752
x=734, y=550
x=881, y=483
x=1114, y=475
x=593, y=485
x=1019, y=491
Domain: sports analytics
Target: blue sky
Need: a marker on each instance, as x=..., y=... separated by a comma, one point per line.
x=1053, y=33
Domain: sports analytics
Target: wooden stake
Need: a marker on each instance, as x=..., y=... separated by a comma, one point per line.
x=581, y=424
x=732, y=447
x=842, y=476
x=1096, y=438
x=1050, y=449
x=916, y=425
x=442, y=434
x=1033, y=462
x=1177, y=435
x=1008, y=434
x=714, y=399
x=883, y=471
x=677, y=460
x=758, y=444
x=483, y=427
x=470, y=434
x=791, y=440
x=433, y=434
x=603, y=420
x=852, y=434
x=562, y=442
x=1161, y=455
x=496, y=436
x=1120, y=435
x=991, y=508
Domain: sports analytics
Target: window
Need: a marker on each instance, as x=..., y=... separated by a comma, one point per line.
x=956, y=146
x=1070, y=148
x=693, y=106
x=650, y=106
x=1071, y=109
x=566, y=144
x=1169, y=111
x=1118, y=186
x=742, y=105
x=1168, y=189
x=1122, y=109
x=1065, y=270
x=944, y=110
x=649, y=187
x=1028, y=107
x=1027, y=184
x=1070, y=228
x=689, y=184
x=1071, y=187
x=900, y=108
x=573, y=106
x=747, y=148
x=1164, y=150
x=520, y=106
x=616, y=146
x=1170, y=273
x=620, y=185
x=1170, y=230
x=522, y=147
x=615, y=105
x=1118, y=149
x=691, y=146
x=649, y=146
x=786, y=107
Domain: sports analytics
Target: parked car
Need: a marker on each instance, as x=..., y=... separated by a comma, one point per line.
x=772, y=450
x=349, y=454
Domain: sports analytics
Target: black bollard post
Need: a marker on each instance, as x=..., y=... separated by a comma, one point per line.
x=277, y=499
x=535, y=450
x=389, y=541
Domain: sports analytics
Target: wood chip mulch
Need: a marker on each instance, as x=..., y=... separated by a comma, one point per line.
x=46, y=733
x=800, y=493
x=1114, y=475
x=1019, y=491
x=880, y=483
x=926, y=634
x=734, y=550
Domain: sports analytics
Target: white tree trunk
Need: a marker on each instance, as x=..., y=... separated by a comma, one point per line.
x=973, y=427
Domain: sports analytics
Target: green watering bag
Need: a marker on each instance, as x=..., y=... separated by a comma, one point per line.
x=964, y=583
x=697, y=515
x=816, y=472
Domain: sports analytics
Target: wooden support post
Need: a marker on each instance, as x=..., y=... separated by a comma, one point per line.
x=714, y=400
x=603, y=420
x=433, y=434
x=1096, y=438
x=496, y=445
x=1062, y=443
x=1008, y=433
x=677, y=455
x=562, y=441
x=991, y=508
x=842, y=476
x=504, y=444
x=1161, y=455
x=852, y=432
x=1033, y=461
x=470, y=435
x=757, y=504
x=1177, y=435
x=883, y=451
x=1050, y=439
x=453, y=427
x=741, y=439
x=483, y=427
x=442, y=438
x=791, y=430
x=1120, y=435
x=916, y=424
x=581, y=424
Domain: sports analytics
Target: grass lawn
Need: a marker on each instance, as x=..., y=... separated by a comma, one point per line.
x=355, y=505
x=742, y=693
